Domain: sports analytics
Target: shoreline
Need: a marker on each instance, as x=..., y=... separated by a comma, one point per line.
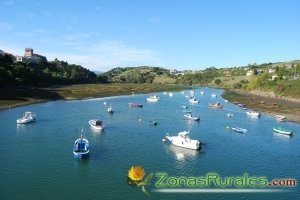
x=17, y=97
x=265, y=103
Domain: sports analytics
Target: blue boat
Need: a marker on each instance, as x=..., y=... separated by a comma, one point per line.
x=81, y=148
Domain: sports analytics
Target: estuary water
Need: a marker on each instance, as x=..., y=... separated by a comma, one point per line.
x=37, y=160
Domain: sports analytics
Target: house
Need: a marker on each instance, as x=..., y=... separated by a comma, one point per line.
x=2, y=53
x=29, y=56
x=272, y=70
x=249, y=73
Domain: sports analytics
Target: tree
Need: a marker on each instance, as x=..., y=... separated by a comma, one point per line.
x=218, y=81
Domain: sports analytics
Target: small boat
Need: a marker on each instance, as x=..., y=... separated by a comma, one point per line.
x=96, y=124
x=135, y=105
x=81, y=148
x=215, y=105
x=184, y=107
x=110, y=110
x=283, y=131
x=239, y=130
x=253, y=114
x=226, y=101
x=192, y=92
x=202, y=93
x=27, y=117
x=280, y=118
x=241, y=105
x=187, y=111
x=213, y=95
x=170, y=94
x=153, y=123
x=229, y=115
x=193, y=100
x=153, y=98
x=183, y=140
x=190, y=117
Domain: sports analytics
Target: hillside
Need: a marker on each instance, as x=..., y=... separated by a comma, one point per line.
x=45, y=73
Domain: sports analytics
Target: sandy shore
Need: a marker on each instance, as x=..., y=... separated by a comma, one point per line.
x=266, y=103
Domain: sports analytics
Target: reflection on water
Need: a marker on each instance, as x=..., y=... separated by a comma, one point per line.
x=182, y=153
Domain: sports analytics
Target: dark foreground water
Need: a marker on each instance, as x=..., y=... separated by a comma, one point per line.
x=37, y=160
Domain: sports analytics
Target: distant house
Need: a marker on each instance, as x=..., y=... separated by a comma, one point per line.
x=29, y=56
x=2, y=53
x=272, y=70
x=274, y=77
x=249, y=73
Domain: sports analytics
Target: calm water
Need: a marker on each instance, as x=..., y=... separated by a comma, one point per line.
x=37, y=160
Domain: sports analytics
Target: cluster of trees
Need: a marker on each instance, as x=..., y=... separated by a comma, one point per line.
x=143, y=74
x=42, y=74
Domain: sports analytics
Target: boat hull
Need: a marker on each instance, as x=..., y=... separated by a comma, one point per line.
x=284, y=132
x=192, y=144
x=93, y=125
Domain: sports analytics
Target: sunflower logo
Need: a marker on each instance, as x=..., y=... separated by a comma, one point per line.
x=136, y=176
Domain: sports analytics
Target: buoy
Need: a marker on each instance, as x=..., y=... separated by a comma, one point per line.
x=140, y=120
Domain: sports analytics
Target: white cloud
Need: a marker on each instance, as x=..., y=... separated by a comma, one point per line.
x=108, y=54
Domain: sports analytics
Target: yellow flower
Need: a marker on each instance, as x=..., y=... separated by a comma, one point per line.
x=136, y=173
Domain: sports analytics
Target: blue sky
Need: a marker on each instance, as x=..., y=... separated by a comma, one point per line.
x=191, y=34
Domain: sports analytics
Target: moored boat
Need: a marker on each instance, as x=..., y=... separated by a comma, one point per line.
x=27, y=117
x=110, y=110
x=239, y=130
x=153, y=98
x=215, y=105
x=189, y=116
x=283, y=131
x=183, y=140
x=229, y=115
x=280, y=118
x=96, y=124
x=81, y=148
x=193, y=100
x=253, y=114
x=135, y=105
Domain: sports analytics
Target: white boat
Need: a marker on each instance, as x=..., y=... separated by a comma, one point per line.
x=110, y=110
x=192, y=92
x=26, y=118
x=81, y=148
x=170, y=94
x=229, y=115
x=183, y=140
x=202, y=92
x=153, y=98
x=193, y=100
x=283, y=131
x=189, y=116
x=96, y=124
x=215, y=105
x=280, y=118
x=239, y=130
x=253, y=114
x=213, y=95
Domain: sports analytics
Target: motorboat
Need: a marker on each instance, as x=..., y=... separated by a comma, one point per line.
x=96, y=124
x=280, y=118
x=153, y=123
x=241, y=105
x=153, y=98
x=110, y=110
x=135, y=105
x=215, y=105
x=239, y=130
x=193, y=100
x=27, y=117
x=202, y=93
x=253, y=114
x=229, y=115
x=183, y=140
x=213, y=95
x=170, y=94
x=189, y=116
x=283, y=131
x=192, y=92
x=81, y=148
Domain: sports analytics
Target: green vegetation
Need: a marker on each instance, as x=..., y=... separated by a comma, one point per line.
x=41, y=74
